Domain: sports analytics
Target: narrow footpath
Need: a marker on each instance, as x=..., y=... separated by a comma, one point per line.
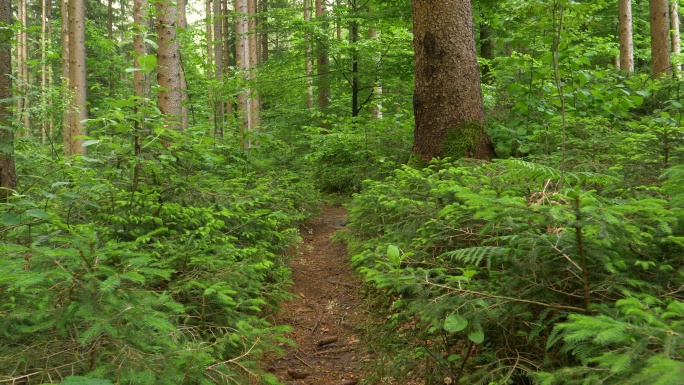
x=327, y=315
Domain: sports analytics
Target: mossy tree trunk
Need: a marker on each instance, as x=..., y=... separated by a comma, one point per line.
x=447, y=101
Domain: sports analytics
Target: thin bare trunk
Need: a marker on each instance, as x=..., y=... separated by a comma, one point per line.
x=183, y=25
x=8, y=175
x=168, y=60
x=66, y=115
x=22, y=68
x=77, y=77
x=322, y=60
x=43, y=70
x=308, y=56
x=626, y=41
x=376, y=102
x=141, y=83
x=242, y=63
x=210, y=61
x=660, y=35
x=218, y=48
x=676, y=38
x=255, y=102
x=264, y=30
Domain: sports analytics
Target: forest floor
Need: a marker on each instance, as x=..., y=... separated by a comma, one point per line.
x=327, y=316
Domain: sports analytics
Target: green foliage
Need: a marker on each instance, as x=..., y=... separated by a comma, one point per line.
x=156, y=268
x=497, y=254
x=639, y=341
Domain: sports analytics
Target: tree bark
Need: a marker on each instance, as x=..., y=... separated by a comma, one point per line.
x=43, y=69
x=354, y=38
x=626, y=41
x=168, y=63
x=676, y=38
x=22, y=67
x=263, y=23
x=8, y=175
x=308, y=55
x=66, y=115
x=660, y=37
x=322, y=59
x=447, y=102
x=77, y=77
x=376, y=86
x=242, y=61
x=486, y=51
x=183, y=25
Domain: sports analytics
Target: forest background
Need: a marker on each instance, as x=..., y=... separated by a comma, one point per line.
x=155, y=171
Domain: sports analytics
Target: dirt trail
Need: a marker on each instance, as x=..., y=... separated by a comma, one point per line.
x=327, y=316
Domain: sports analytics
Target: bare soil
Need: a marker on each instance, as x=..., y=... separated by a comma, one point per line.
x=327, y=315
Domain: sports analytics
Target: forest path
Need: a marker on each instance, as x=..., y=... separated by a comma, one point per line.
x=326, y=317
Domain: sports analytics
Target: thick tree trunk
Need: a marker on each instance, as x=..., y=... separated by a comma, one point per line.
x=675, y=38
x=660, y=37
x=77, y=77
x=242, y=61
x=168, y=64
x=322, y=60
x=449, y=110
x=626, y=41
x=255, y=101
x=8, y=175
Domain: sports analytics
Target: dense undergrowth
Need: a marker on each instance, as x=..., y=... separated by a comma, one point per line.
x=560, y=266
x=151, y=269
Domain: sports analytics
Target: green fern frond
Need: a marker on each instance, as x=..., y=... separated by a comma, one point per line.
x=475, y=255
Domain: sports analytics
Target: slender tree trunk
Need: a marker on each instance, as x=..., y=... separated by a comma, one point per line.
x=486, y=51
x=228, y=44
x=264, y=30
x=660, y=35
x=66, y=115
x=322, y=60
x=77, y=77
x=8, y=175
x=141, y=80
x=447, y=101
x=22, y=68
x=110, y=35
x=219, y=41
x=376, y=86
x=168, y=63
x=354, y=38
x=242, y=63
x=183, y=25
x=308, y=56
x=210, y=63
x=43, y=70
x=676, y=38
x=626, y=41
x=255, y=100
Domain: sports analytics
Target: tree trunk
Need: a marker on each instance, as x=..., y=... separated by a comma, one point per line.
x=308, y=55
x=22, y=67
x=110, y=35
x=486, y=51
x=660, y=37
x=66, y=115
x=354, y=38
x=8, y=175
x=376, y=86
x=242, y=61
x=183, y=25
x=447, y=101
x=77, y=77
x=254, y=100
x=264, y=30
x=676, y=43
x=322, y=60
x=168, y=64
x=43, y=70
x=626, y=41
x=141, y=81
